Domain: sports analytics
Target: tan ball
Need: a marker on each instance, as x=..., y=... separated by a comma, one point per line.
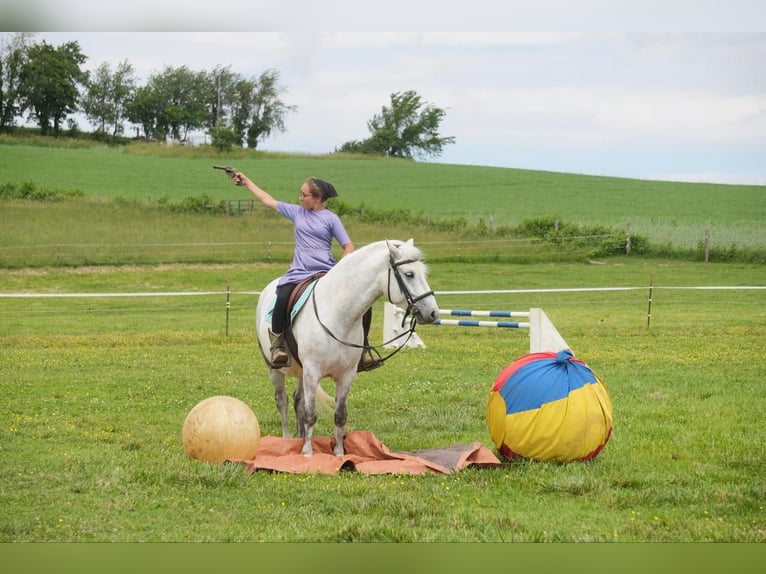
x=221, y=428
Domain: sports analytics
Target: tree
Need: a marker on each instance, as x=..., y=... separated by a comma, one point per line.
x=107, y=95
x=182, y=93
x=268, y=111
x=144, y=110
x=407, y=129
x=49, y=83
x=252, y=108
x=172, y=104
x=219, y=101
x=221, y=96
x=13, y=55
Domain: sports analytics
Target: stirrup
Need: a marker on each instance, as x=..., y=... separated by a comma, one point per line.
x=367, y=362
x=279, y=358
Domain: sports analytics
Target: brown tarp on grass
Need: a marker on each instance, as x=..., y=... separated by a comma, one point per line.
x=365, y=453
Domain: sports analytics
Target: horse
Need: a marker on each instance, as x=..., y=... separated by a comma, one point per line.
x=328, y=329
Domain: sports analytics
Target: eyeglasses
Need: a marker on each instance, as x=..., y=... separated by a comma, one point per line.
x=305, y=195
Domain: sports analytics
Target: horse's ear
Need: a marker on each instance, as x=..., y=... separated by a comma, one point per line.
x=410, y=241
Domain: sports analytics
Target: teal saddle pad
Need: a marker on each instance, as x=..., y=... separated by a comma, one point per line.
x=296, y=307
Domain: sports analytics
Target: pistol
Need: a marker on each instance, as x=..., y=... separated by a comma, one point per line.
x=230, y=171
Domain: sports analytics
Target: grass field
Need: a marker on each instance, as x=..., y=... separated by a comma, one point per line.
x=95, y=388
x=668, y=212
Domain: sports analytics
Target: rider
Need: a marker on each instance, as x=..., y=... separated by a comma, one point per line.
x=315, y=227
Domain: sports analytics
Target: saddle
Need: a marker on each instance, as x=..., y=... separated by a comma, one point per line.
x=294, y=305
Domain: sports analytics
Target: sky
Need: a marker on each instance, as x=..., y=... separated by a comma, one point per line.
x=631, y=96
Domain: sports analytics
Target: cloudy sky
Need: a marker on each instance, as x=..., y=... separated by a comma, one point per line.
x=645, y=103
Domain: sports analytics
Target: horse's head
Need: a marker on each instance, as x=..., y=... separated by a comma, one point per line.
x=410, y=290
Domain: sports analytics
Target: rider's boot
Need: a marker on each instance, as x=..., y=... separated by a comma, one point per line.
x=279, y=356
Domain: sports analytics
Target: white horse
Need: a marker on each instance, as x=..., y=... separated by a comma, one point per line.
x=328, y=329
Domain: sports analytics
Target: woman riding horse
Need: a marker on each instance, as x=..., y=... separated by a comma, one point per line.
x=315, y=227
x=328, y=329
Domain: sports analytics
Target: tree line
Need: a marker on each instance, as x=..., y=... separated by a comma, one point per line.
x=47, y=85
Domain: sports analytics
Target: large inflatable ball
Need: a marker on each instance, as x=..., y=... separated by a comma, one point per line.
x=221, y=428
x=549, y=406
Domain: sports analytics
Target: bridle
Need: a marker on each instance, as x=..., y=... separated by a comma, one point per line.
x=393, y=268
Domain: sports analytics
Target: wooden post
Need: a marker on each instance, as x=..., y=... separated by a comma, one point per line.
x=228, y=305
x=649, y=312
x=627, y=240
x=707, y=245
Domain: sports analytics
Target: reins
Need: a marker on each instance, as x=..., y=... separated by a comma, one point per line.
x=393, y=266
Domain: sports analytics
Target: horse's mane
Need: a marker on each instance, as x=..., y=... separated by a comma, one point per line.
x=365, y=250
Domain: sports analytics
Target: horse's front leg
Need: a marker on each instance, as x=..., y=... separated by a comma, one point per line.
x=280, y=397
x=309, y=415
x=300, y=407
x=342, y=390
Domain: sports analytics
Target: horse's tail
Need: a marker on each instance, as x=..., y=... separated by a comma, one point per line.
x=324, y=401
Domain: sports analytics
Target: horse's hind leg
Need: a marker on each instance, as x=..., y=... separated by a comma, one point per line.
x=280, y=397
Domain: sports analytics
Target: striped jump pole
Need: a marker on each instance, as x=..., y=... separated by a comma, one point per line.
x=492, y=314
x=543, y=336
x=474, y=313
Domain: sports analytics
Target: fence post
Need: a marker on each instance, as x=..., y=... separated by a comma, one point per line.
x=228, y=305
x=627, y=240
x=649, y=312
x=707, y=245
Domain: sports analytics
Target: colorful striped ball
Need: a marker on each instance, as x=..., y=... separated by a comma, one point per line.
x=549, y=406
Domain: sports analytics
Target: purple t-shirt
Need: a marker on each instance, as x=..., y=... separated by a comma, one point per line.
x=314, y=232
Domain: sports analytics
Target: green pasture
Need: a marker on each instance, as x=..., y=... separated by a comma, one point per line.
x=667, y=212
x=100, y=232
x=95, y=391
x=100, y=364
